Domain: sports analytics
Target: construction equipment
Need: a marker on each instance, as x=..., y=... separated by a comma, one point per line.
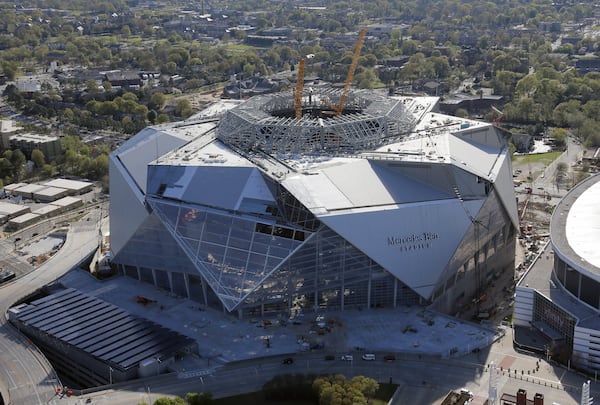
x=299, y=89
x=498, y=117
x=350, y=76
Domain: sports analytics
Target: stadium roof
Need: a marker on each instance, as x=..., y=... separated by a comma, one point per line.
x=575, y=227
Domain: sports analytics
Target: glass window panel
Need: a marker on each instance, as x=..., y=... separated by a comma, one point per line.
x=278, y=252
x=218, y=224
x=215, y=238
x=211, y=253
x=239, y=243
x=257, y=259
x=259, y=248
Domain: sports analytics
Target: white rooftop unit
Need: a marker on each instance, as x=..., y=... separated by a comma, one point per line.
x=12, y=187
x=28, y=190
x=50, y=193
x=23, y=220
x=76, y=186
x=46, y=210
x=68, y=202
x=12, y=210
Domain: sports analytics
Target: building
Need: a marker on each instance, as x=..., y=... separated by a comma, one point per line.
x=7, y=129
x=22, y=221
x=92, y=342
x=118, y=78
x=388, y=204
x=563, y=300
x=12, y=210
x=74, y=186
x=49, y=145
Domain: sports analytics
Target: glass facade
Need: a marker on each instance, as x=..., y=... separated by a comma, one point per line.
x=254, y=265
x=560, y=320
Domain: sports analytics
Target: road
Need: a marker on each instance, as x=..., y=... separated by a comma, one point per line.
x=26, y=377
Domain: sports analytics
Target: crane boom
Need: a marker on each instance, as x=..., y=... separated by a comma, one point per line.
x=299, y=89
x=350, y=76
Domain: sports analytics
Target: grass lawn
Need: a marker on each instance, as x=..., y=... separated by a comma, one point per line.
x=545, y=158
x=382, y=397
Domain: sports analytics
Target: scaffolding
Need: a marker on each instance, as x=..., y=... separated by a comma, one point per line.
x=269, y=123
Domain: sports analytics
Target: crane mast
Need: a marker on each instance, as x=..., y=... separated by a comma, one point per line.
x=350, y=76
x=299, y=89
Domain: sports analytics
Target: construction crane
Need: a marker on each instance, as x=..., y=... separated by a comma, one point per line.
x=299, y=89
x=498, y=117
x=361, y=37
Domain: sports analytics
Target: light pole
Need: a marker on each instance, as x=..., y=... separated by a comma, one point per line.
x=158, y=365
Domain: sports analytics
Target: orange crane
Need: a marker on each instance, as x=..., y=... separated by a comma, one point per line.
x=361, y=38
x=299, y=89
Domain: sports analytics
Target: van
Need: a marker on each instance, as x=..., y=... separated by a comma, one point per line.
x=466, y=392
x=368, y=356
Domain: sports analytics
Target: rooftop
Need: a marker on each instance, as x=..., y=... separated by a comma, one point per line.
x=100, y=329
x=575, y=227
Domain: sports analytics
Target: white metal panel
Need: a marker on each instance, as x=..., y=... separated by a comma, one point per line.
x=506, y=189
x=414, y=241
x=316, y=192
x=146, y=146
x=255, y=189
x=474, y=157
x=127, y=211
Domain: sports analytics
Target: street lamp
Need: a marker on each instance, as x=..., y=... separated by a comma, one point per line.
x=158, y=365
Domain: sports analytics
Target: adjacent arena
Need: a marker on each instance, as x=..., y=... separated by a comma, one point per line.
x=563, y=300
x=253, y=210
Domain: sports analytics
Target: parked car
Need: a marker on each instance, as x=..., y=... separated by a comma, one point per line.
x=6, y=275
x=389, y=358
x=368, y=356
x=347, y=357
x=288, y=360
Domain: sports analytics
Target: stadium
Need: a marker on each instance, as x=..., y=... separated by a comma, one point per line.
x=561, y=297
x=271, y=206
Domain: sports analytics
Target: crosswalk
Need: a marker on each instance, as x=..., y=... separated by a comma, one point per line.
x=193, y=373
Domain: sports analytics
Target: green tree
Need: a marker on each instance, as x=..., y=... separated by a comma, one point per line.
x=337, y=390
x=204, y=398
x=157, y=100
x=170, y=401
x=183, y=108
x=17, y=160
x=559, y=135
x=38, y=158
x=10, y=69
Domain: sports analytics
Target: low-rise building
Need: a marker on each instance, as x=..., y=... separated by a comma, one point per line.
x=22, y=221
x=48, y=145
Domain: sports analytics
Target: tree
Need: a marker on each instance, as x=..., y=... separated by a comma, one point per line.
x=336, y=390
x=170, y=401
x=10, y=69
x=559, y=135
x=183, y=108
x=38, y=158
x=18, y=160
x=204, y=398
x=561, y=173
x=157, y=100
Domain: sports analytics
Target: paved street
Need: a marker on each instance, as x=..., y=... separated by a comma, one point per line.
x=26, y=377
